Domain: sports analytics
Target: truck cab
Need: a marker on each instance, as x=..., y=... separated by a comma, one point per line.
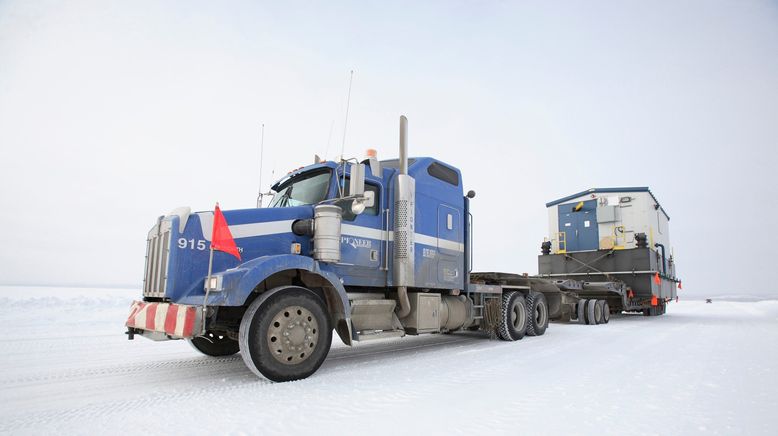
x=368, y=249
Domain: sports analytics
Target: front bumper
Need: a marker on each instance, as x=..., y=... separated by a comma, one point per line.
x=163, y=321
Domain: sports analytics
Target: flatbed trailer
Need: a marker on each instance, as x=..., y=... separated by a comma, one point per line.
x=582, y=301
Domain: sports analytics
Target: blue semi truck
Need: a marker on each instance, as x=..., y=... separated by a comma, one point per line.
x=368, y=250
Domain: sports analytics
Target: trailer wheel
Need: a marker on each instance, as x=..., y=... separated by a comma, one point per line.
x=214, y=344
x=582, y=311
x=606, y=312
x=654, y=311
x=513, y=324
x=599, y=310
x=537, y=314
x=594, y=312
x=287, y=336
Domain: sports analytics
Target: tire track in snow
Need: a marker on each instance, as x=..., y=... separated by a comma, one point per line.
x=230, y=374
x=117, y=370
x=339, y=353
x=97, y=410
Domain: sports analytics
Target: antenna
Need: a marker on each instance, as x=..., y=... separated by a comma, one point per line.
x=261, y=149
x=345, y=123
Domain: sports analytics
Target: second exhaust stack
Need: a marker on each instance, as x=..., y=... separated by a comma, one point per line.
x=404, y=224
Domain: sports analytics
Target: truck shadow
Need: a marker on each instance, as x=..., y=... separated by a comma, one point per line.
x=233, y=370
x=400, y=347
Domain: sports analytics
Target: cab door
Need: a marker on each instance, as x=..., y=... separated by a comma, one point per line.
x=363, y=242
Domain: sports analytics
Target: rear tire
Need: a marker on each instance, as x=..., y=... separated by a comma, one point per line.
x=214, y=344
x=654, y=311
x=513, y=323
x=287, y=336
x=600, y=310
x=593, y=312
x=582, y=311
x=537, y=314
x=606, y=312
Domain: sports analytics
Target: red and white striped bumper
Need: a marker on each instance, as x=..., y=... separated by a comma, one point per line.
x=174, y=320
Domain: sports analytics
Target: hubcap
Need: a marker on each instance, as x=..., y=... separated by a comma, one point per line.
x=518, y=316
x=292, y=335
x=540, y=315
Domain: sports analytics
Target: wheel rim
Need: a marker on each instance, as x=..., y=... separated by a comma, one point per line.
x=518, y=316
x=540, y=315
x=292, y=335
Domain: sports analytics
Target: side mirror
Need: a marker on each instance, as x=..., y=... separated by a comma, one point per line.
x=357, y=180
x=369, y=198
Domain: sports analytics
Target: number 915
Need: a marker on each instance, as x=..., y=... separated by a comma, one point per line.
x=192, y=244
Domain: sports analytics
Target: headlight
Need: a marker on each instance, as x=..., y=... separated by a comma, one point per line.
x=214, y=283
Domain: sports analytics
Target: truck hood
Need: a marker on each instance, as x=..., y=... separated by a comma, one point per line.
x=257, y=233
x=248, y=223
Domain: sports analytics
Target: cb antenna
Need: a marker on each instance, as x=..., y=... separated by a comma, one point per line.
x=261, y=149
x=345, y=123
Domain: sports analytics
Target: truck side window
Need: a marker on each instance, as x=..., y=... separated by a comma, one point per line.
x=442, y=172
x=372, y=210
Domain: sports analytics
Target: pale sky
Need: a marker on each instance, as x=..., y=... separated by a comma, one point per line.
x=112, y=113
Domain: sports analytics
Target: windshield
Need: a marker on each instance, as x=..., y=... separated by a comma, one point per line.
x=309, y=188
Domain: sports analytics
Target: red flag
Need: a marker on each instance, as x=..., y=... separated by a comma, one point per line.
x=657, y=280
x=221, y=238
x=679, y=285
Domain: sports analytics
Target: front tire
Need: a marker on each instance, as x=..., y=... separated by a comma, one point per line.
x=214, y=344
x=513, y=324
x=286, y=336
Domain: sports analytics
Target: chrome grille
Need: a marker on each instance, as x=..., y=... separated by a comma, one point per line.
x=157, y=255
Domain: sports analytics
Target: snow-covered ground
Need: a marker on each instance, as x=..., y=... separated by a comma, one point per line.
x=66, y=367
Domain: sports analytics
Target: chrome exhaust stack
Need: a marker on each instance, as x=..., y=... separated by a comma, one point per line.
x=404, y=225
